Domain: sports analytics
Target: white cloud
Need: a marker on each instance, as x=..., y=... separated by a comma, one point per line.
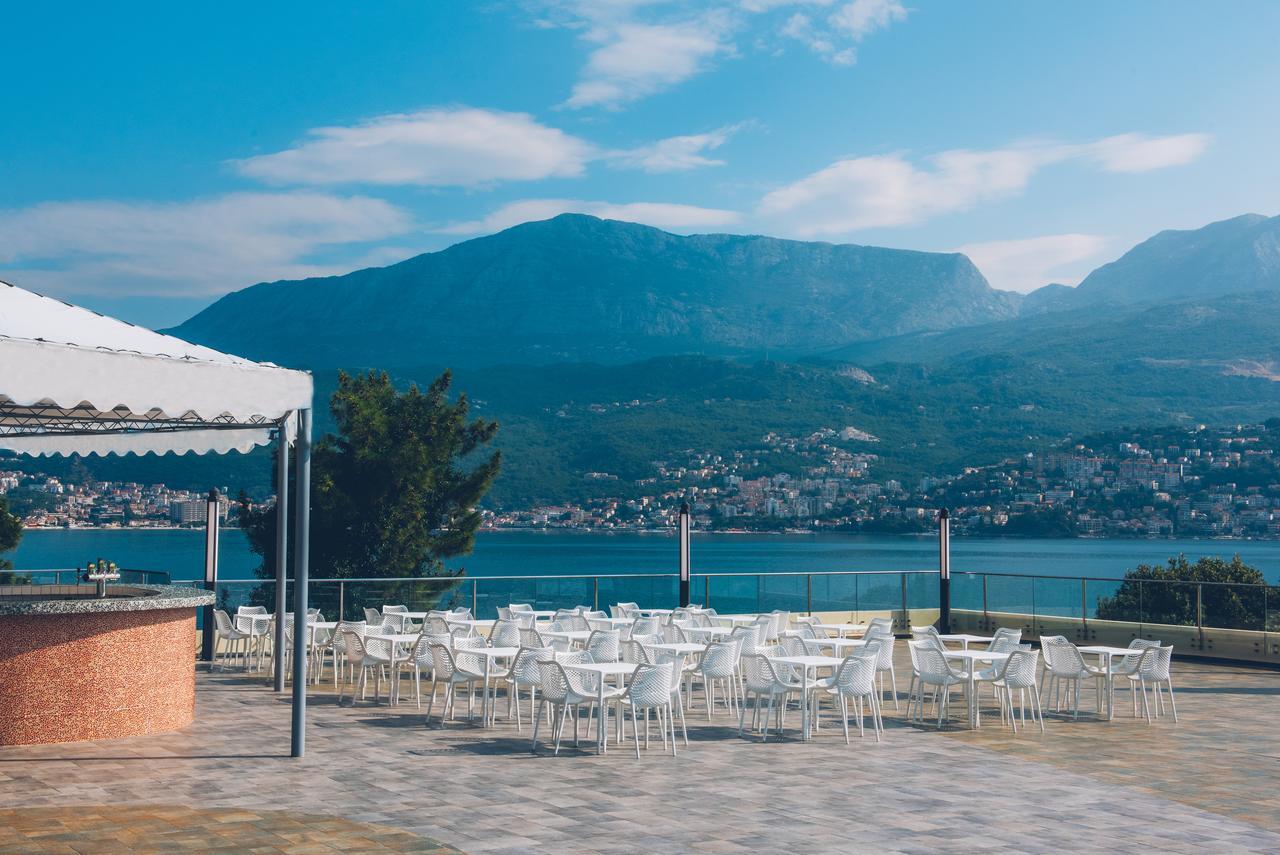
x=208, y=246
x=661, y=214
x=889, y=190
x=1141, y=153
x=676, y=154
x=835, y=37
x=861, y=18
x=635, y=59
x=1024, y=265
x=462, y=147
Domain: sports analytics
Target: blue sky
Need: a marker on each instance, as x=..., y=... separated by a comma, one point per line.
x=156, y=156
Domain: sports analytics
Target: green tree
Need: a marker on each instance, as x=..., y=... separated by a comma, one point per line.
x=1234, y=598
x=10, y=535
x=392, y=492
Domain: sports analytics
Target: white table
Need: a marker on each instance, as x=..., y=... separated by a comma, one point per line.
x=654, y=612
x=706, y=632
x=621, y=670
x=737, y=620
x=574, y=636
x=965, y=639
x=613, y=622
x=1105, y=654
x=841, y=628
x=488, y=654
x=838, y=645
x=972, y=658
x=681, y=648
x=805, y=664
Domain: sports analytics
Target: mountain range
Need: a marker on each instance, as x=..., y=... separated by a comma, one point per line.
x=720, y=338
x=576, y=288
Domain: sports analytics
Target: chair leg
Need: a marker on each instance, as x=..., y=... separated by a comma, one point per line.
x=537, y=720
x=893, y=681
x=1173, y=706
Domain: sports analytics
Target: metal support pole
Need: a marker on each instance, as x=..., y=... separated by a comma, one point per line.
x=301, y=555
x=210, y=575
x=944, y=571
x=684, y=554
x=282, y=548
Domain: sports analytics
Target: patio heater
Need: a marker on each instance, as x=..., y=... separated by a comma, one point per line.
x=944, y=571
x=210, y=573
x=684, y=554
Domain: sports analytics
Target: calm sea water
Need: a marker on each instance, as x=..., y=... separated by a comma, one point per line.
x=181, y=553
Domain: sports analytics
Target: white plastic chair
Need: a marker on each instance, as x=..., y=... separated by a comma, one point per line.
x=651, y=689
x=420, y=660
x=446, y=668
x=366, y=653
x=855, y=680
x=525, y=674
x=881, y=624
x=884, y=662
x=504, y=633
x=566, y=690
x=1065, y=664
x=603, y=645
x=236, y=641
x=1153, y=670
x=763, y=680
x=1017, y=673
x=934, y=670
x=719, y=664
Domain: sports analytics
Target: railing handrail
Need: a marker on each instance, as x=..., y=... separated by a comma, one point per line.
x=715, y=575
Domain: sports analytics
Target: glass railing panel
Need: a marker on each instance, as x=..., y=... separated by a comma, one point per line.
x=347, y=599
x=966, y=591
x=880, y=592
x=1271, y=607
x=922, y=591
x=1111, y=599
x=782, y=592
x=650, y=592
x=1010, y=595
x=1234, y=606
x=834, y=592
x=1169, y=603
x=1058, y=598
x=733, y=593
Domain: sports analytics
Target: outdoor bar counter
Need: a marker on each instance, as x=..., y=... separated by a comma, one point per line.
x=77, y=666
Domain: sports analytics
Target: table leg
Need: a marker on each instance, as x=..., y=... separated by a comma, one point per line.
x=804, y=702
x=602, y=721
x=484, y=703
x=973, y=707
x=1111, y=689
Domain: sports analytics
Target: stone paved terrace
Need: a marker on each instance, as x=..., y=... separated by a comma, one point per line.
x=376, y=780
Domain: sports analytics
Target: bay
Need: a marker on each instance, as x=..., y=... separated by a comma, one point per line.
x=537, y=553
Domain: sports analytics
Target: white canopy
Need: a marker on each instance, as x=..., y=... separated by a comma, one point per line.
x=75, y=381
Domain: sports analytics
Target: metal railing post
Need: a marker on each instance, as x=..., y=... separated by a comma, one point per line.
x=595, y=593
x=342, y=601
x=1200, y=614
x=1084, y=610
x=902, y=577
x=986, y=616
x=475, y=596
x=706, y=591
x=808, y=593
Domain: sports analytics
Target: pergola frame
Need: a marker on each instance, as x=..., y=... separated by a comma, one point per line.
x=75, y=381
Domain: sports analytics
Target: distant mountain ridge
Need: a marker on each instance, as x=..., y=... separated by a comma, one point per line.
x=1232, y=256
x=578, y=288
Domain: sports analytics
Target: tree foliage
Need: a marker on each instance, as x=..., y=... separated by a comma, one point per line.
x=10, y=535
x=393, y=493
x=1234, y=596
